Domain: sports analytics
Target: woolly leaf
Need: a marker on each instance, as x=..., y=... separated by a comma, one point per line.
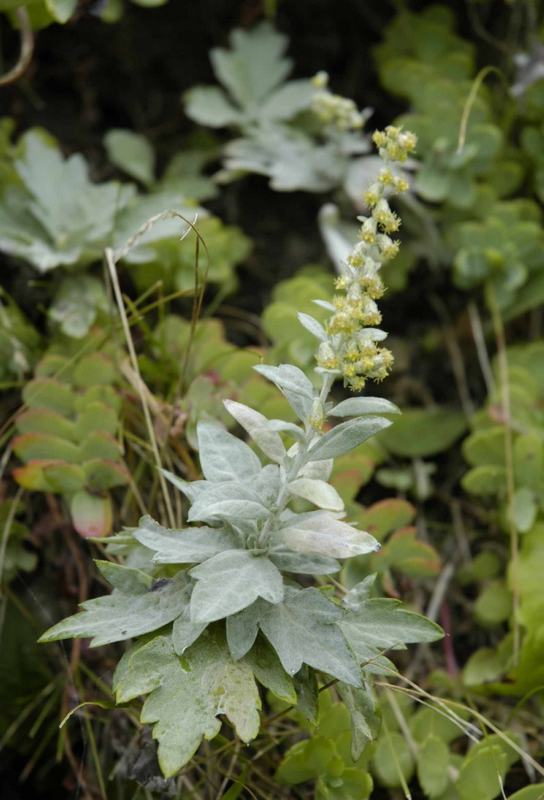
x=321, y=533
x=231, y=581
x=224, y=457
x=212, y=684
x=181, y=546
x=120, y=616
x=346, y=436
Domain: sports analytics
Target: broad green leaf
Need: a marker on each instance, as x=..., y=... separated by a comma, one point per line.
x=421, y=432
x=101, y=475
x=49, y=393
x=494, y=604
x=32, y=446
x=392, y=760
x=231, y=581
x=346, y=436
x=318, y=492
x=357, y=406
x=433, y=760
x=182, y=546
x=534, y=792
x=482, y=773
x=224, y=457
x=132, y=153
x=321, y=533
x=42, y=420
x=212, y=684
x=386, y=516
x=487, y=479
x=306, y=760
x=256, y=424
x=485, y=447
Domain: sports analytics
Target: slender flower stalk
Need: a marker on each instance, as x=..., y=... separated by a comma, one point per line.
x=351, y=349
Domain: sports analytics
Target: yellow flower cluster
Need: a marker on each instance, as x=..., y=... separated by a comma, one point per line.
x=332, y=109
x=351, y=349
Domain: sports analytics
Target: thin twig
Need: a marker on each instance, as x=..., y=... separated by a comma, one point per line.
x=26, y=51
x=509, y=464
x=110, y=261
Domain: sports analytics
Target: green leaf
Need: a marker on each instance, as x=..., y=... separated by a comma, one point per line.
x=50, y=394
x=64, y=478
x=386, y=516
x=485, y=447
x=99, y=445
x=306, y=760
x=254, y=66
x=433, y=760
x=102, y=475
x=61, y=10
x=224, y=457
x=96, y=416
x=303, y=630
x=485, y=480
x=210, y=683
x=77, y=303
x=187, y=546
x=132, y=153
x=120, y=616
x=39, y=446
x=524, y=509
x=392, y=760
x=49, y=228
x=380, y=624
x=494, y=605
x=365, y=721
x=231, y=581
x=482, y=773
x=42, y=420
x=346, y=436
x=419, y=433
x=269, y=672
x=529, y=461
x=534, y=792
x=209, y=105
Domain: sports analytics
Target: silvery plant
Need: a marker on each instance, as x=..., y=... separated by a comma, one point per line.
x=236, y=602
